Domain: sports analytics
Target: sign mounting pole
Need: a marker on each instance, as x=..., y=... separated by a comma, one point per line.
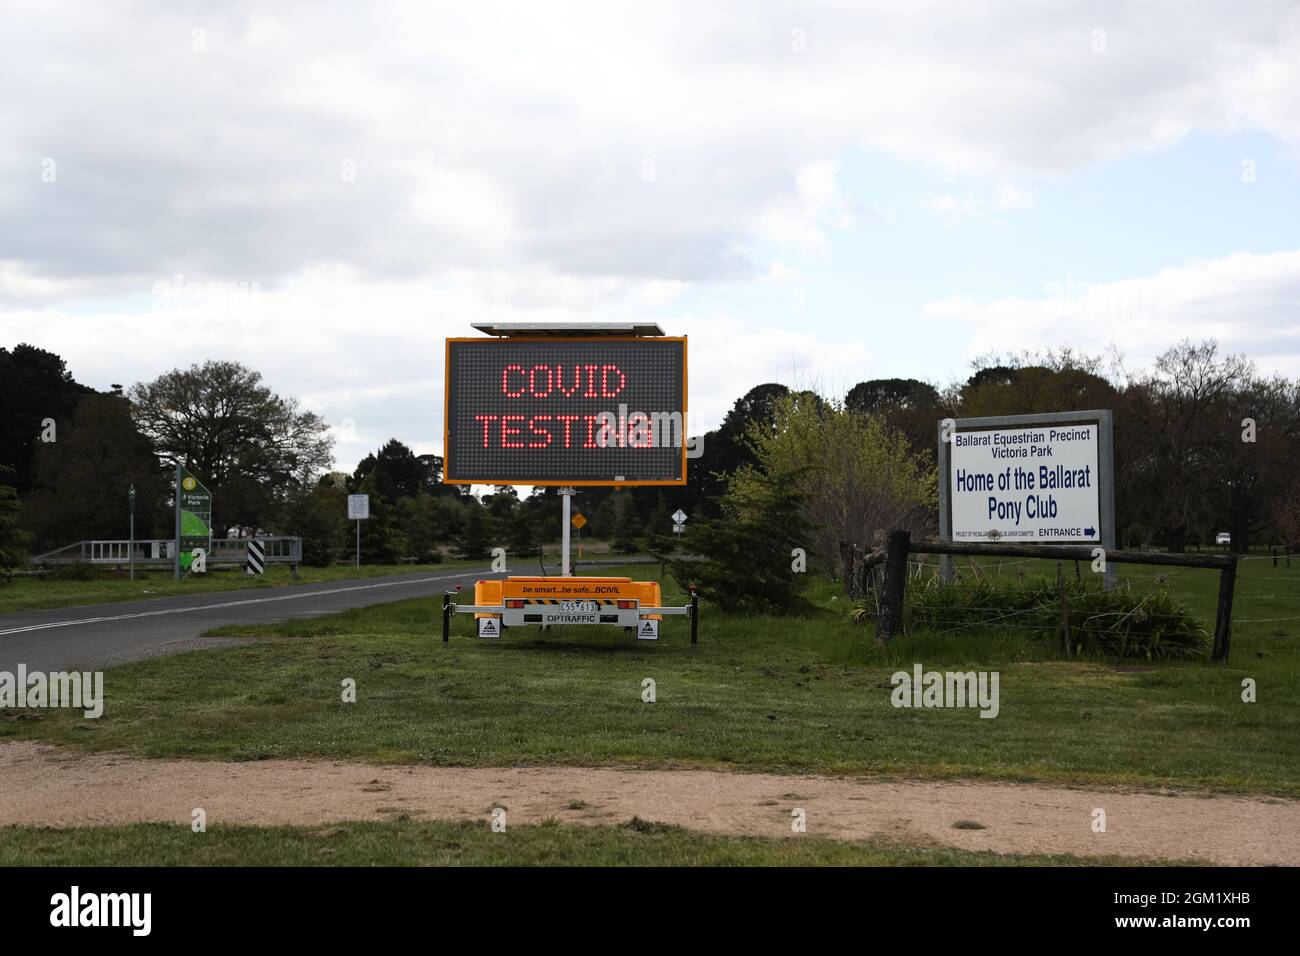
x=566, y=497
x=176, y=544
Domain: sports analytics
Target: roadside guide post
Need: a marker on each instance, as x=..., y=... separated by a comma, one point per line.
x=130, y=507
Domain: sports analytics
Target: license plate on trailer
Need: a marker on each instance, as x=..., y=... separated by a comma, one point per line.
x=556, y=615
x=579, y=607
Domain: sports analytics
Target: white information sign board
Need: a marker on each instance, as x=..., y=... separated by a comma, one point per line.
x=1030, y=484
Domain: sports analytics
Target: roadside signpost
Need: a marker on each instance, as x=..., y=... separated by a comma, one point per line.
x=193, y=522
x=1030, y=479
x=358, y=511
x=578, y=521
x=679, y=522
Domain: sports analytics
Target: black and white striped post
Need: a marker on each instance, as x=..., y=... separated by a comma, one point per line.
x=256, y=560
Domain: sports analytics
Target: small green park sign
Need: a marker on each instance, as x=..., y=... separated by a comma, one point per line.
x=193, y=517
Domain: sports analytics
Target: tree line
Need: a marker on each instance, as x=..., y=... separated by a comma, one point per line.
x=1204, y=443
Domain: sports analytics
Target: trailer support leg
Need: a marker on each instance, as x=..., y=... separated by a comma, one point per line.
x=448, y=602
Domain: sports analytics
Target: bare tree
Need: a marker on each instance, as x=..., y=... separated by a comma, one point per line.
x=1178, y=418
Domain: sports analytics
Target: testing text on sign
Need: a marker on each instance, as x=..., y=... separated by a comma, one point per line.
x=561, y=411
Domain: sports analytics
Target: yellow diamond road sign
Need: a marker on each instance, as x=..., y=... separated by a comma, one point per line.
x=578, y=520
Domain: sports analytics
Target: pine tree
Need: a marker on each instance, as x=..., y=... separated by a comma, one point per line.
x=624, y=538
x=13, y=539
x=748, y=550
x=502, y=508
x=522, y=535
x=659, y=538
x=380, y=541
x=315, y=514
x=475, y=542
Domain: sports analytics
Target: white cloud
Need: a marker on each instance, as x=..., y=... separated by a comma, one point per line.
x=729, y=356
x=492, y=135
x=954, y=209
x=778, y=271
x=801, y=218
x=385, y=174
x=1247, y=301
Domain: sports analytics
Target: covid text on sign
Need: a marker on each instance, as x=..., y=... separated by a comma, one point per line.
x=566, y=411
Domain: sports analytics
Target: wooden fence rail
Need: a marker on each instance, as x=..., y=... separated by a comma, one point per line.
x=899, y=544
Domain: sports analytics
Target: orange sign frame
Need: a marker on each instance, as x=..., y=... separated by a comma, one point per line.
x=447, y=479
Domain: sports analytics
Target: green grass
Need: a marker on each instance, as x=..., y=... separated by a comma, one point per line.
x=29, y=594
x=805, y=694
x=426, y=843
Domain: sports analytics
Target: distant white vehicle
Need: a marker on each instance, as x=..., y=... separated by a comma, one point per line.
x=1223, y=538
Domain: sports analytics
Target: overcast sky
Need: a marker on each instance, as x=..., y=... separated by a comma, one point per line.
x=815, y=193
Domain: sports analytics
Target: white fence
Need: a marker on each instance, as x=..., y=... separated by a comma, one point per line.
x=161, y=551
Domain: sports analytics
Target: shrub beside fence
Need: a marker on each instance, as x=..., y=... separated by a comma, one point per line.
x=1083, y=618
x=1106, y=622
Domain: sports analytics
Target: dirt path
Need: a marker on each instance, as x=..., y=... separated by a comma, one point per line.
x=48, y=786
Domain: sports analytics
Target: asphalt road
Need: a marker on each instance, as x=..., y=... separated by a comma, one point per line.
x=106, y=634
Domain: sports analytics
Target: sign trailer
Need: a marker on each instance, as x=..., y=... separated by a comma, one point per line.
x=567, y=406
x=635, y=606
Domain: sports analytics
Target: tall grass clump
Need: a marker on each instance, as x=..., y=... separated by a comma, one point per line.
x=1121, y=623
